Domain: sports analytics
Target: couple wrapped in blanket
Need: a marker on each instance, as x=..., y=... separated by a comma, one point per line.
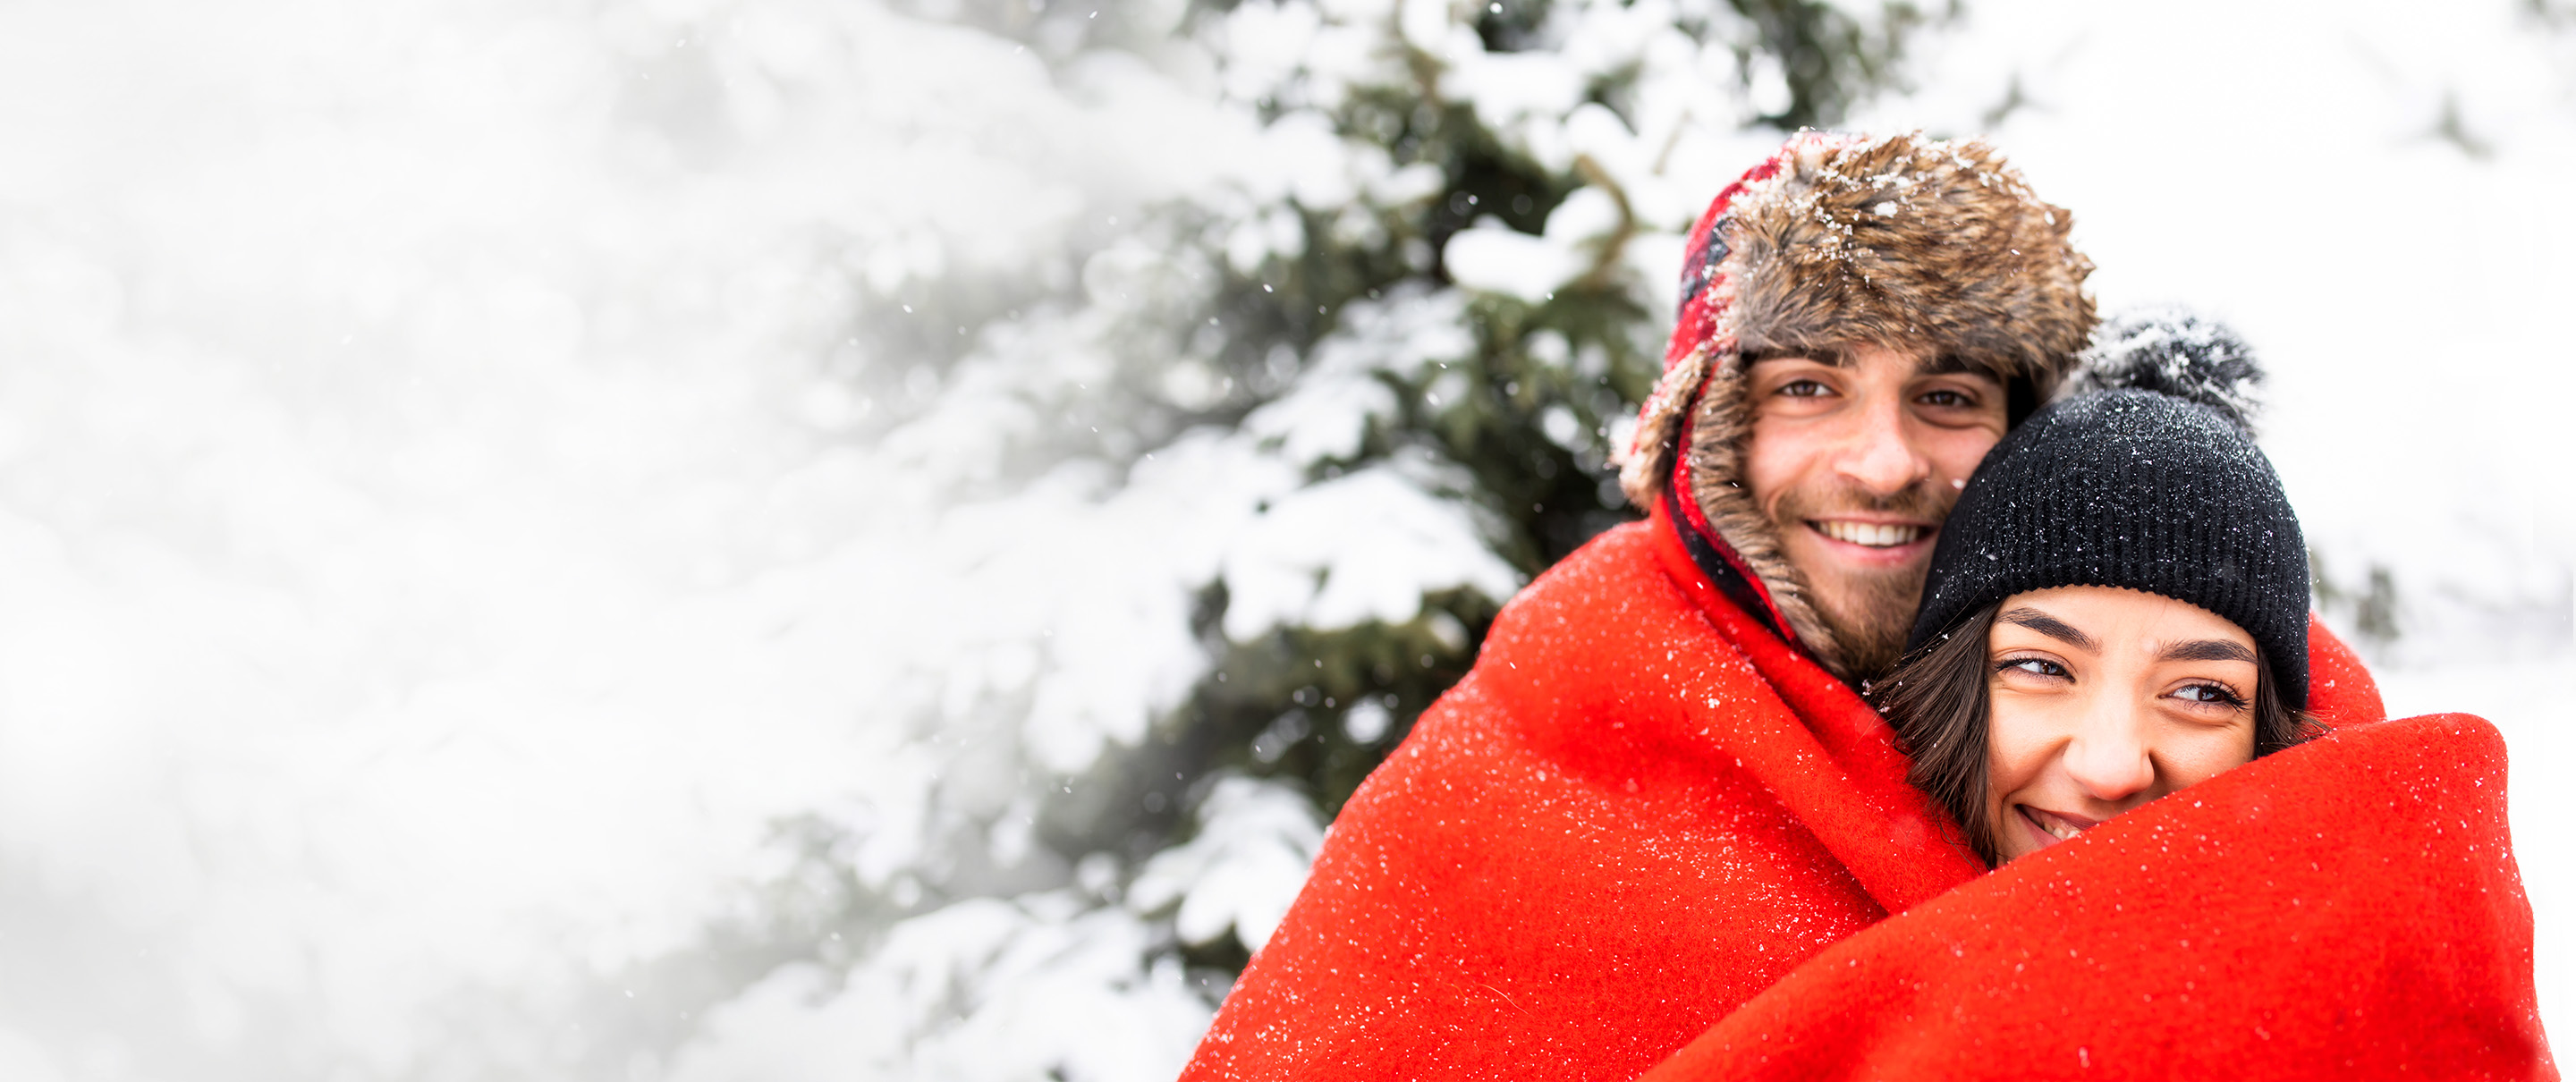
x=1956, y=712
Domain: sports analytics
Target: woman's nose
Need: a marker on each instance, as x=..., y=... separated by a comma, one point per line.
x=2109, y=759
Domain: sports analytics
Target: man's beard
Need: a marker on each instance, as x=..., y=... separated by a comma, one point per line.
x=1870, y=611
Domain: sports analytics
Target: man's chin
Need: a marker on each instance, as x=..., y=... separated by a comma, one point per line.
x=1870, y=615
x=1870, y=652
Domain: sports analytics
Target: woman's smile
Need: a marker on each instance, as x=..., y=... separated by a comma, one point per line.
x=2053, y=827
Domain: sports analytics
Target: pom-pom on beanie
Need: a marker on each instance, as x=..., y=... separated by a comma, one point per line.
x=2137, y=488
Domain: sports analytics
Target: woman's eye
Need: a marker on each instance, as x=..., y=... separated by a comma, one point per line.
x=2036, y=666
x=2209, y=693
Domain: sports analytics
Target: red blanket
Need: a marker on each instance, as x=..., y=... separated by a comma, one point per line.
x=1637, y=813
x=2345, y=909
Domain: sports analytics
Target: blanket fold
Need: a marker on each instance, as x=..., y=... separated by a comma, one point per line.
x=2349, y=908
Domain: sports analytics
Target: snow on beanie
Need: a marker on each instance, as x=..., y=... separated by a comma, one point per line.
x=2146, y=478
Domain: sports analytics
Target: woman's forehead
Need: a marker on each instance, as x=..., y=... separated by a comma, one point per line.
x=2114, y=615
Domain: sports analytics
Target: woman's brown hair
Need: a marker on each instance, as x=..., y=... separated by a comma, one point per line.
x=1936, y=700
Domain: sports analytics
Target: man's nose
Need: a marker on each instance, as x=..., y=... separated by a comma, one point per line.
x=1879, y=454
x=2109, y=757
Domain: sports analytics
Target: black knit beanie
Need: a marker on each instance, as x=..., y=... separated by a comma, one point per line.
x=2147, y=477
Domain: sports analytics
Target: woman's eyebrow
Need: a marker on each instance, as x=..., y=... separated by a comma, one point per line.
x=2207, y=650
x=2052, y=627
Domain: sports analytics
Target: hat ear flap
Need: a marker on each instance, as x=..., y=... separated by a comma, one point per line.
x=1649, y=456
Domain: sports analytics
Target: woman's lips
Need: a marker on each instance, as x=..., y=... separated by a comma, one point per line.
x=2054, y=827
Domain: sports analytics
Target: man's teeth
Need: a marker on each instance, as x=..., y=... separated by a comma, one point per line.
x=1866, y=533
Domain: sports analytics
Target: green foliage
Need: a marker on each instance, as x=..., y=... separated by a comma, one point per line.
x=1519, y=423
x=1529, y=417
x=1831, y=61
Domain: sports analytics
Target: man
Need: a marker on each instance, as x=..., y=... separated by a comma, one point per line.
x=1657, y=792
x=1860, y=322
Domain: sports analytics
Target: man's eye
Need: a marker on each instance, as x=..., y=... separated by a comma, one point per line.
x=1946, y=398
x=1805, y=388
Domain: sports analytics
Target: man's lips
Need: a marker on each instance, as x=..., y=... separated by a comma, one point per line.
x=2055, y=827
x=1877, y=535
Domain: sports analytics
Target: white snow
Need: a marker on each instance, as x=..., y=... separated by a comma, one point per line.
x=1497, y=259
x=1239, y=873
x=1017, y=989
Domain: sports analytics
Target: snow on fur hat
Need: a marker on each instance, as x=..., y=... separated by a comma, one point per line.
x=1839, y=239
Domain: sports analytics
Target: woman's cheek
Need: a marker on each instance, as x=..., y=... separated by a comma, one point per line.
x=2212, y=752
x=2015, y=745
x=2009, y=769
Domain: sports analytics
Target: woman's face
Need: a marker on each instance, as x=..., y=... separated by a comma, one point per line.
x=2104, y=699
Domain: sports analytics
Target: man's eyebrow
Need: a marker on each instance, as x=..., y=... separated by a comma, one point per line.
x=2207, y=650
x=1828, y=356
x=2052, y=627
x=1959, y=364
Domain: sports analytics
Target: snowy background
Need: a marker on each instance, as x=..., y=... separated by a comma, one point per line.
x=593, y=539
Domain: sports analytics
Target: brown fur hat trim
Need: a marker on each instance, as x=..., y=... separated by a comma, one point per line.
x=1907, y=241
x=1902, y=241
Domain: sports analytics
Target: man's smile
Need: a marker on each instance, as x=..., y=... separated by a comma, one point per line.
x=1876, y=535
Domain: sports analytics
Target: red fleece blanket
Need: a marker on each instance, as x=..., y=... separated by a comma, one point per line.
x=1637, y=813
x=2344, y=909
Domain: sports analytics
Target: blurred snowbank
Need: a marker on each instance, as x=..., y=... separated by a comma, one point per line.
x=437, y=539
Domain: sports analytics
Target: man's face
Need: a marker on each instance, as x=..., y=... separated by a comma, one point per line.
x=1857, y=458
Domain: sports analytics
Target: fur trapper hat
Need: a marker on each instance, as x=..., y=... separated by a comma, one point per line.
x=1901, y=240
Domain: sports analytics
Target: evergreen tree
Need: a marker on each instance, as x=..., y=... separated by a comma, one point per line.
x=1344, y=395
x=1519, y=415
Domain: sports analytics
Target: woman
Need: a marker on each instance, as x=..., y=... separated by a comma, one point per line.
x=2116, y=612
x=2117, y=609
